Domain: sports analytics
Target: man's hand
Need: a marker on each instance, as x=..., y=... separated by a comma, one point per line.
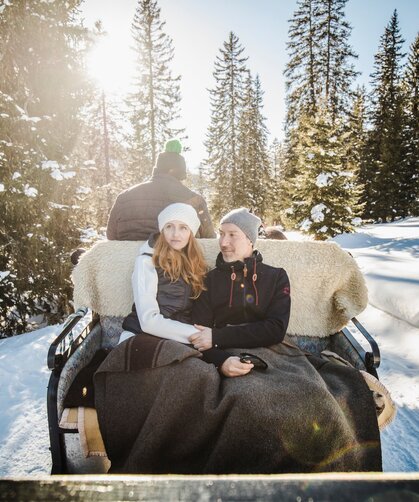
x=232, y=367
x=203, y=339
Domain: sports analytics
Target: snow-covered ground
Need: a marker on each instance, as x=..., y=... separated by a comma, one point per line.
x=387, y=254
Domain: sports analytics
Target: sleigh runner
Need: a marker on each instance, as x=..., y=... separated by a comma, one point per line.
x=327, y=291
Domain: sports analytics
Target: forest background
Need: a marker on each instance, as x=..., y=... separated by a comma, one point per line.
x=347, y=153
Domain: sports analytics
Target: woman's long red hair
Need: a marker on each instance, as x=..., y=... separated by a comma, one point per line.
x=189, y=263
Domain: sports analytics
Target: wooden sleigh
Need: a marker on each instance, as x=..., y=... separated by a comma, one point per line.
x=327, y=291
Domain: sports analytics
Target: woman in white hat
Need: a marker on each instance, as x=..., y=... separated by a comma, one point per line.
x=168, y=275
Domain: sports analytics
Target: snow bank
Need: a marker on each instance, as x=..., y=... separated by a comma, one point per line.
x=399, y=371
x=24, y=439
x=388, y=256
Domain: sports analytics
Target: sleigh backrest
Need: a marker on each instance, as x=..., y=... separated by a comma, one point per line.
x=327, y=287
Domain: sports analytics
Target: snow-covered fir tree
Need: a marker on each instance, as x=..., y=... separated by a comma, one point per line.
x=41, y=92
x=384, y=199
x=155, y=102
x=325, y=196
x=411, y=149
x=222, y=143
x=320, y=74
x=252, y=175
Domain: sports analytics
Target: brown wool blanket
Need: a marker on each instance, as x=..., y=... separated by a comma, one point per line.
x=162, y=409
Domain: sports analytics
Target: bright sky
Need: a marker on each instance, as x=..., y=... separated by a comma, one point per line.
x=198, y=29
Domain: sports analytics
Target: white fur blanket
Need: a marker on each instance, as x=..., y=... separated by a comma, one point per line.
x=327, y=287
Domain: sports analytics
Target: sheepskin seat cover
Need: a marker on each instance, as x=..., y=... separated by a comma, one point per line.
x=327, y=287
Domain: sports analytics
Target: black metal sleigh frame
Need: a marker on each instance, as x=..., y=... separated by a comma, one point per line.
x=79, y=328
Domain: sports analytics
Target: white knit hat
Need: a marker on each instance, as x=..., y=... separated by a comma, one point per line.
x=180, y=212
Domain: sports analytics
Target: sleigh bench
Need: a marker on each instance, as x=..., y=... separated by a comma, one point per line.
x=327, y=291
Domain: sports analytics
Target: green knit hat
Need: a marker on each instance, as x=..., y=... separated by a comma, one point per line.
x=173, y=146
x=170, y=161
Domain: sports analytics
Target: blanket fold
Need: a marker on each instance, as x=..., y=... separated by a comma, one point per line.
x=145, y=351
x=162, y=409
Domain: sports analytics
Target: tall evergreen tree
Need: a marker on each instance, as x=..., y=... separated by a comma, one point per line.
x=101, y=155
x=276, y=185
x=222, y=144
x=336, y=68
x=154, y=104
x=388, y=128
x=320, y=74
x=411, y=163
x=41, y=92
x=320, y=64
x=356, y=140
x=252, y=176
x=302, y=70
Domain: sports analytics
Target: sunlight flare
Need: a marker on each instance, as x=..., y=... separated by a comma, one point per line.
x=111, y=65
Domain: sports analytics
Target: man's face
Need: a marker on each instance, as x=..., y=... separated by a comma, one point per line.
x=234, y=244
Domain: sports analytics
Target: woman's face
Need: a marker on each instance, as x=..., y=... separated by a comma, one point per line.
x=177, y=234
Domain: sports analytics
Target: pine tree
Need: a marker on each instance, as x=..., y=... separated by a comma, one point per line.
x=336, y=69
x=411, y=147
x=356, y=140
x=320, y=67
x=319, y=75
x=102, y=157
x=325, y=195
x=252, y=186
x=154, y=104
x=302, y=70
x=276, y=186
x=388, y=127
x=222, y=144
x=41, y=92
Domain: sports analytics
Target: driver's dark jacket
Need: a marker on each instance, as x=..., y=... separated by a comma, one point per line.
x=133, y=217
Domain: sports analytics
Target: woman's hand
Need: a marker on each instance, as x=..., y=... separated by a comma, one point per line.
x=233, y=367
x=203, y=339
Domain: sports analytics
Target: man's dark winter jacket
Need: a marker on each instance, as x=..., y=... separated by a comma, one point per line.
x=133, y=217
x=247, y=304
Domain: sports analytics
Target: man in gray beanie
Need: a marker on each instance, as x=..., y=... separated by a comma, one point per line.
x=246, y=303
x=133, y=217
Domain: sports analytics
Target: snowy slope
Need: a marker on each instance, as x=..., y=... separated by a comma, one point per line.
x=24, y=375
x=389, y=258
x=388, y=255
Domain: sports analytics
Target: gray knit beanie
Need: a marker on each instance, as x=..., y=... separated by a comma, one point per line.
x=247, y=222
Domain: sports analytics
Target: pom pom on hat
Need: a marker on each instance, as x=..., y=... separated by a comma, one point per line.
x=179, y=212
x=173, y=146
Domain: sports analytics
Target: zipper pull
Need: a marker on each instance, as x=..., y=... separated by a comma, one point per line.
x=245, y=270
